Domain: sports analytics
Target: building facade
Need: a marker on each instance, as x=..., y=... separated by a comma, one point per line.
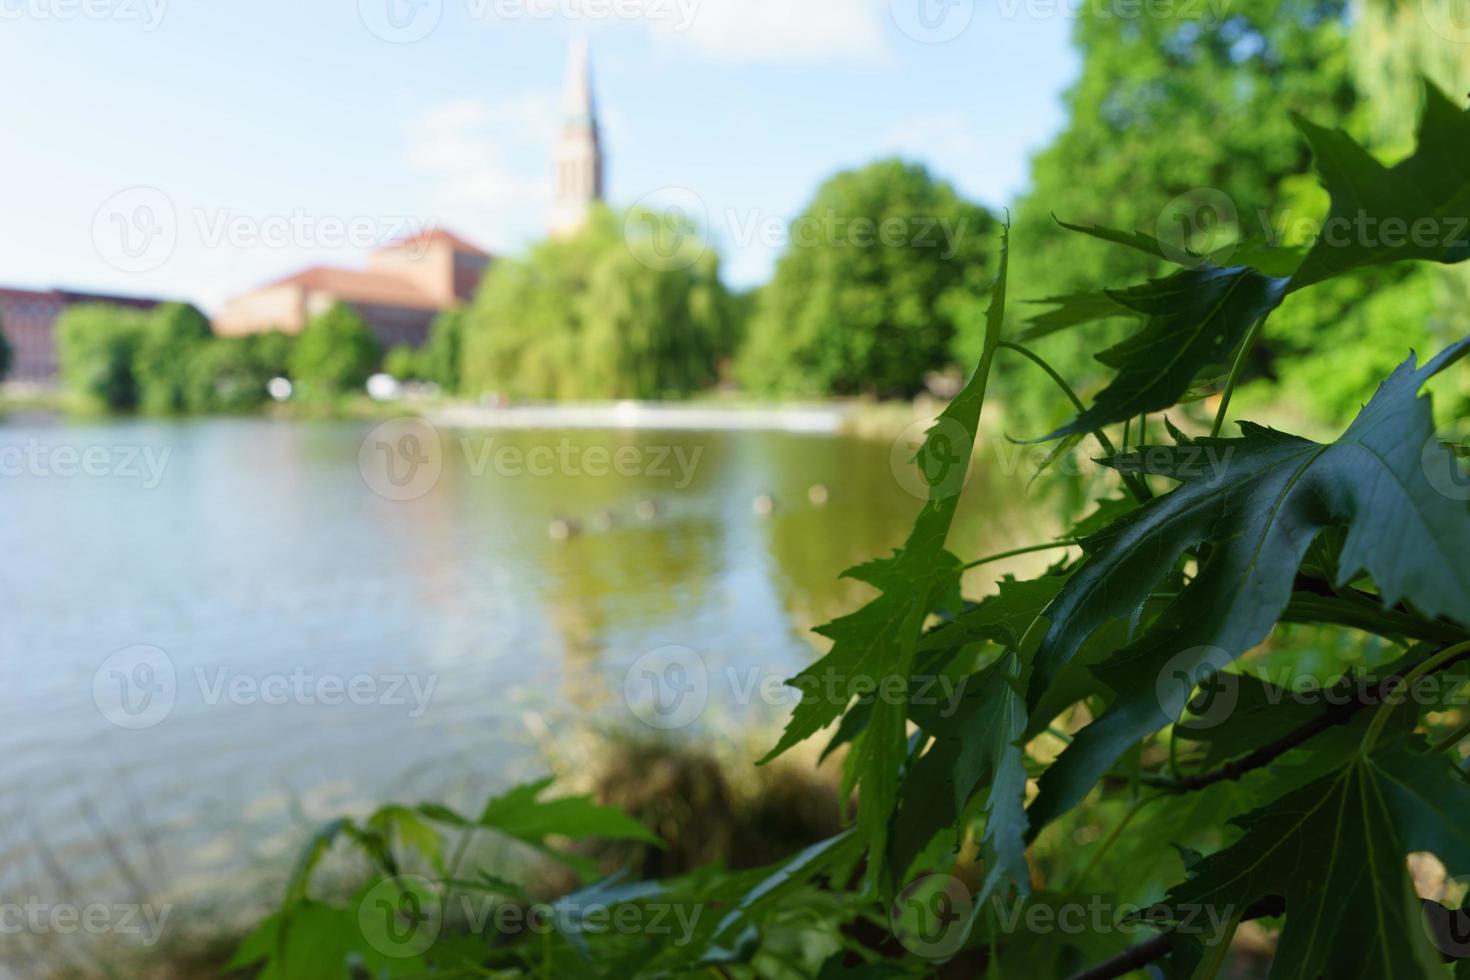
x=405, y=286
x=28, y=318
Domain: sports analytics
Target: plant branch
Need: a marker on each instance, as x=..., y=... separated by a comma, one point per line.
x=1137, y=957
x=1438, y=661
x=1030, y=549
x=1136, y=487
x=1236, y=370
x=1337, y=714
x=1451, y=740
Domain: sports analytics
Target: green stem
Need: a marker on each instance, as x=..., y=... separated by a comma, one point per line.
x=1019, y=551
x=454, y=863
x=1427, y=667
x=1451, y=740
x=1236, y=370
x=1139, y=491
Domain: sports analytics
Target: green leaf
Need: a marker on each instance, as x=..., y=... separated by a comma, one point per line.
x=817, y=859
x=1196, y=318
x=313, y=941
x=1259, y=501
x=880, y=640
x=1336, y=850
x=311, y=856
x=412, y=831
x=1376, y=209
x=1073, y=310
x=990, y=747
x=977, y=743
x=1002, y=618
x=521, y=814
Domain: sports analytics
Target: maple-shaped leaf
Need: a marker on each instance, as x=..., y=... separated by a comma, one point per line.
x=1259, y=501
x=880, y=640
x=938, y=676
x=977, y=744
x=1195, y=318
x=1335, y=849
x=978, y=725
x=1416, y=209
x=1088, y=306
x=1073, y=310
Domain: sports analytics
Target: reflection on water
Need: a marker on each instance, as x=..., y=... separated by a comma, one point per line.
x=330, y=648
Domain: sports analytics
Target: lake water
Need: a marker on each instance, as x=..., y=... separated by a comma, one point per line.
x=217, y=633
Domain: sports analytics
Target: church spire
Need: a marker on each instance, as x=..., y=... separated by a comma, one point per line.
x=579, y=163
x=578, y=104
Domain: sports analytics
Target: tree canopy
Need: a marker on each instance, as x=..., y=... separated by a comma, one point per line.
x=871, y=290
x=96, y=345
x=335, y=353
x=167, y=344
x=602, y=314
x=231, y=374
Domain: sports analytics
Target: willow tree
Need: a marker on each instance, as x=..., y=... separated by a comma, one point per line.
x=607, y=313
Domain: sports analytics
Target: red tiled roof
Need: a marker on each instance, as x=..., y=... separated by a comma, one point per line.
x=439, y=235
x=353, y=286
x=70, y=297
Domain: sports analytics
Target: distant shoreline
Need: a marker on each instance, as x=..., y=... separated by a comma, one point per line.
x=803, y=419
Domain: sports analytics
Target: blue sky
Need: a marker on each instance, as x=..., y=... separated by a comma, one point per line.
x=269, y=135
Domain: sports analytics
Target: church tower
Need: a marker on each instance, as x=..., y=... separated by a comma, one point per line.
x=579, y=164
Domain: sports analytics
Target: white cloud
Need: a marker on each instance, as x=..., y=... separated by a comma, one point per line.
x=780, y=30
x=729, y=30
x=487, y=165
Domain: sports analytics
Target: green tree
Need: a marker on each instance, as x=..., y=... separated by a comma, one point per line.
x=271, y=352
x=440, y=356
x=603, y=314
x=404, y=363
x=868, y=296
x=170, y=339
x=96, y=345
x=230, y=374
x=1179, y=127
x=334, y=354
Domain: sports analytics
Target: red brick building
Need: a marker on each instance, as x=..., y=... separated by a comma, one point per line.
x=29, y=320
